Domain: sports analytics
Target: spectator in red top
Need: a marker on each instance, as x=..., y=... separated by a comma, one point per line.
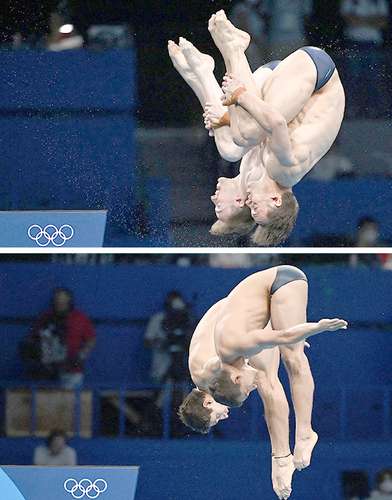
x=60, y=342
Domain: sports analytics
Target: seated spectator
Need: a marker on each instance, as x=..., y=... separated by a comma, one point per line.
x=230, y=260
x=383, y=490
x=56, y=451
x=241, y=260
x=365, y=22
x=386, y=261
x=60, y=342
x=168, y=333
x=368, y=234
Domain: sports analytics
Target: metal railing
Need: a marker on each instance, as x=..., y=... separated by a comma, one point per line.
x=122, y=393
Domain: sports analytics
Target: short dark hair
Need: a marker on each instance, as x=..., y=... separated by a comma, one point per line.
x=366, y=220
x=225, y=391
x=67, y=292
x=62, y=289
x=193, y=414
x=280, y=223
x=381, y=475
x=54, y=434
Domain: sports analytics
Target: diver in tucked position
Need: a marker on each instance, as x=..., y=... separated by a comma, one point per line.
x=235, y=330
x=280, y=120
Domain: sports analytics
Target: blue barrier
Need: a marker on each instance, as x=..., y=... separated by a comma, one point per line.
x=55, y=229
x=70, y=163
x=66, y=133
x=64, y=483
x=196, y=470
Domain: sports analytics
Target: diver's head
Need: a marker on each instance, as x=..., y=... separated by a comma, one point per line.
x=274, y=209
x=228, y=199
x=230, y=208
x=200, y=411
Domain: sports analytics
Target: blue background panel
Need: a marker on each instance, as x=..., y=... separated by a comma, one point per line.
x=137, y=292
x=69, y=163
x=335, y=207
x=71, y=79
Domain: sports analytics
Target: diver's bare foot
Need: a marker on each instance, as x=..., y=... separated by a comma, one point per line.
x=198, y=62
x=282, y=473
x=179, y=61
x=215, y=116
x=303, y=450
x=225, y=35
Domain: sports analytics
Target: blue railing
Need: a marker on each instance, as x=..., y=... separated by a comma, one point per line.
x=346, y=397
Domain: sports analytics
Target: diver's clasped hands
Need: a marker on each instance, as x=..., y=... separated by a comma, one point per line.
x=232, y=88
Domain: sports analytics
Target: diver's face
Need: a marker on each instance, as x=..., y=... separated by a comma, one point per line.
x=218, y=411
x=259, y=201
x=225, y=200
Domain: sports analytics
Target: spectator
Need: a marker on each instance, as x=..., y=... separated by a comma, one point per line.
x=230, y=260
x=250, y=16
x=335, y=164
x=368, y=235
x=60, y=342
x=56, y=451
x=365, y=22
x=287, y=25
x=167, y=334
x=383, y=489
x=386, y=261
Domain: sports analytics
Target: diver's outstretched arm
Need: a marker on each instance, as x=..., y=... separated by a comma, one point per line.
x=257, y=340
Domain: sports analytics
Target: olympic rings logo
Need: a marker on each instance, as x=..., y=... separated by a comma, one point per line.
x=85, y=487
x=50, y=234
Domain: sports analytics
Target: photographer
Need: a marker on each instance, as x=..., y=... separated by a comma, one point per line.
x=168, y=334
x=60, y=342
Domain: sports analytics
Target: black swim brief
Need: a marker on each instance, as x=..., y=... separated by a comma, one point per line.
x=287, y=274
